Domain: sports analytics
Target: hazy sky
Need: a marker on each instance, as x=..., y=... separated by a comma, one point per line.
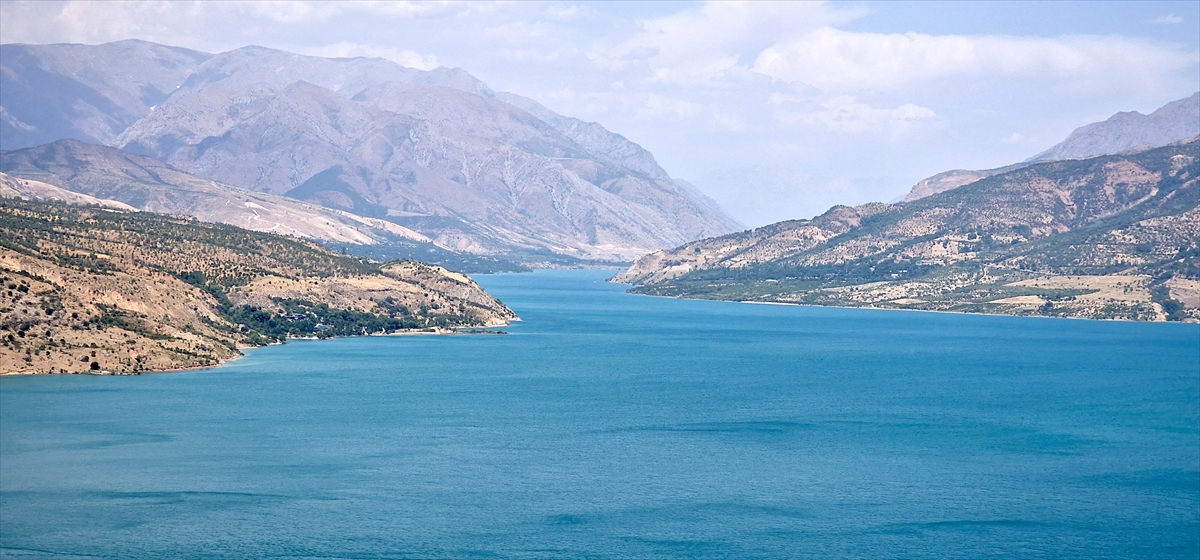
x=777, y=110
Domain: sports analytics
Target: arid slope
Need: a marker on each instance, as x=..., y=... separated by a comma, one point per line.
x=89, y=289
x=1107, y=237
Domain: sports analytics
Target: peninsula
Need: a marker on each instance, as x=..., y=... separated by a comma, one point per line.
x=93, y=289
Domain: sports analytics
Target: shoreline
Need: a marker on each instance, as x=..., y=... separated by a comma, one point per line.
x=972, y=313
x=438, y=332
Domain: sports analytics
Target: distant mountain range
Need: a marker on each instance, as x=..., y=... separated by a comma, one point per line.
x=84, y=92
x=388, y=161
x=70, y=170
x=435, y=152
x=1177, y=121
x=1106, y=237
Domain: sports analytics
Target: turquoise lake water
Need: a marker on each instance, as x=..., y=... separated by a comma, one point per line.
x=609, y=425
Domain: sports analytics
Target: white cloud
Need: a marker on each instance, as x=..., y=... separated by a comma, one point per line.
x=293, y=11
x=726, y=121
x=1169, y=19
x=568, y=13
x=846, y=114
x=87, y=22
x=779, y=98
x=713, y=38
x=659, y=105
x=639, y=104
x=836, y=60
x=210, y=26
x=399, y=8
x=408, y=58
x=288, y=12
x=1014, y=138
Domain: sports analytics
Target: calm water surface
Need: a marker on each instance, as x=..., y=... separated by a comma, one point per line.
x=608, y=425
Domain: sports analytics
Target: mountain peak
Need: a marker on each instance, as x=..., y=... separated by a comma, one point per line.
x=1123, y=132
x=1128, y=130
x=436, y=151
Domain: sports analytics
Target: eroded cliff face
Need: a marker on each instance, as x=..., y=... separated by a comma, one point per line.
x=988, y=246
x=132, y=292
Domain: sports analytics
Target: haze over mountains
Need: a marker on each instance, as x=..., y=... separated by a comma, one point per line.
x=378, y=153
x=1173, y=122
x=70, y=170
x=1103, y=225
x=84, y=92
x=1176, y=121
x=437, y=152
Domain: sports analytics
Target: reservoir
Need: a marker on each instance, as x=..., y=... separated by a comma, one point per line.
x=609, y=425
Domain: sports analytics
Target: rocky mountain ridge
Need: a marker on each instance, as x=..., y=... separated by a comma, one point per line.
x=1129, y=130
x=1105, y=237
x=90, y=93
x=1177, y=121
x=437, y=152
x=101, y=175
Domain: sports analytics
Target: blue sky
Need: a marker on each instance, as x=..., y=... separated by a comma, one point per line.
x=776, y=110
